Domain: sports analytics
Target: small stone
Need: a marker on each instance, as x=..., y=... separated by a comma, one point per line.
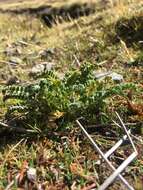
x=116, y=77
x=47, y=52
x=31, y=174
x=41, y=68
x=12, y=51
x=15, y=60
x=13, y=80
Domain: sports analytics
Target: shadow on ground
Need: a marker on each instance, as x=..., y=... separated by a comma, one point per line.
x=130, y=30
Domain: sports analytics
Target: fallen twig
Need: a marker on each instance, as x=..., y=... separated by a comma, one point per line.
x=89, y=187
x=14, y=129
x=4, y=124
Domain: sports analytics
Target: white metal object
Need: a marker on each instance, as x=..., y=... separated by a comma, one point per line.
x=116, y=172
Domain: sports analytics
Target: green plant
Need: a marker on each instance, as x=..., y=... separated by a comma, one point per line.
x=78, y=93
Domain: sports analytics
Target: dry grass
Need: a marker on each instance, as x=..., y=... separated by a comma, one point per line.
x=91, y=39
x=35, y=3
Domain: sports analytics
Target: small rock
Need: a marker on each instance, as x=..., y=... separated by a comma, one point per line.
x=15, y=60
x=41, y=68
x=12, y=51
x=116, y=77
x=12, y=80
x=9, y=51
x=47, y=52
x=31, y=174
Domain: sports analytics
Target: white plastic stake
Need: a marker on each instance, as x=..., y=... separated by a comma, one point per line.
x=116, y=172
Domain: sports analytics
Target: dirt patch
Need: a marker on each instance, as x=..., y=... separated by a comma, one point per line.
x=37, y=10
x=51, y=15
x=130, y=30
x=67, y=13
